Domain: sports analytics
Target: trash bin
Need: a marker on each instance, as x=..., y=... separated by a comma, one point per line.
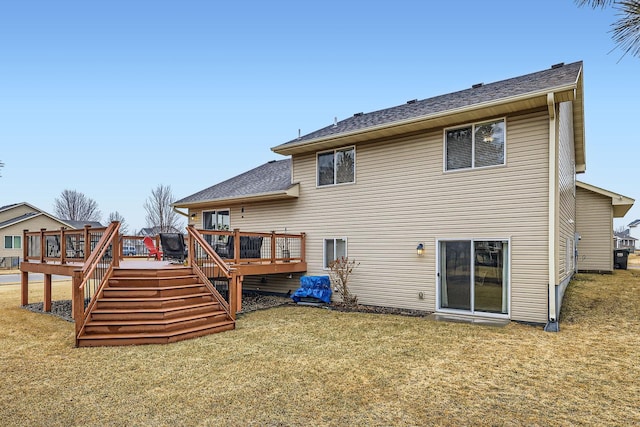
x=620, y=258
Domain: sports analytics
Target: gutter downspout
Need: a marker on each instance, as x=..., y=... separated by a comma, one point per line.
x=179, y=212
x=552, y=323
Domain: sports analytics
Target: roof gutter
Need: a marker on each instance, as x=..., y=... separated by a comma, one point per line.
x=292, y=192
x=175, y=209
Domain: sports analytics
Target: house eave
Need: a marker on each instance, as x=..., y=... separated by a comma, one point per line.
x=620, y=204
x=292, y=192
x=473, y=112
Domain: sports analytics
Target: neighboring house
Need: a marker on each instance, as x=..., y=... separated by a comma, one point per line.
x=634, y=231
x=483, y=179
x=149, y=231
x=622, y=240
x=595, y=210
x=16, y=218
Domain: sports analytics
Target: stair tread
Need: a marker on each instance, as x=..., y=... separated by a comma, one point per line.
x=182, y=276
x=155, y=299
x=154, y=322
x=143, y=335
x=153, y=288
x=150, y=310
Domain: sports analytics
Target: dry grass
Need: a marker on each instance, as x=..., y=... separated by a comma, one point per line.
x=295, y=366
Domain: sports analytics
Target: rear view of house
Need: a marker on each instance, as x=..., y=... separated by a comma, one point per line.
x=482, y=179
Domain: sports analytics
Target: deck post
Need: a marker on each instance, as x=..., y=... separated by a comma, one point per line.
x=116, y=246
x=191, y=247
x=25, y=245
x=273, y=247
x=43, y=245
x=236, y=245
x=87, y=243
x=24, y=288
x=233, y=293
x=63, y=246
x=303, y=245
x=238, y=284
x=47, y=293
x=77, y=301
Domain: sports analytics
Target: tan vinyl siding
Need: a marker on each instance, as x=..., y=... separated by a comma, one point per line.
x=595, y=225
x=403, y=197
x=566, y=193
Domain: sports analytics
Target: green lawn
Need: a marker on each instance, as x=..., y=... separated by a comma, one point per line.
x=302, y=366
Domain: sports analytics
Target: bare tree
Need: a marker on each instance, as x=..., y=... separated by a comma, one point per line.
x=159, y=211
x=76, y=206
x=117, y=216
x=626, y=30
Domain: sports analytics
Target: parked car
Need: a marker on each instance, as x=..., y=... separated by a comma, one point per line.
x=128, y=250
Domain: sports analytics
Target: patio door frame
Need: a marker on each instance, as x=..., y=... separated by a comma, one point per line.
x=471, y=312
x=215, y=240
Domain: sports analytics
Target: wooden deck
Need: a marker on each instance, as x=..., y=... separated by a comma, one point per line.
x=128, y=301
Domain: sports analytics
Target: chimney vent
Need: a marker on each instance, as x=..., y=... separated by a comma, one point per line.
x=558, y=65
x=477, y=85
x=413, y=101
x=358, y=114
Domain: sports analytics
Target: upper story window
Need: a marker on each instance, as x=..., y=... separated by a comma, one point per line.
x=337, y=166
x=475, y=146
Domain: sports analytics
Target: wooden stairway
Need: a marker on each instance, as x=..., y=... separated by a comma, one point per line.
x=148, y=306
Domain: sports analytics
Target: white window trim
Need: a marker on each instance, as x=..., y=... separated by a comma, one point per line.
x=334, y=168
x=324, y=249
x=439, y=309
x=473, y=151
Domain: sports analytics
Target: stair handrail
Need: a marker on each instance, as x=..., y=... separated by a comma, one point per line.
x=227, y=271
x=83, y=275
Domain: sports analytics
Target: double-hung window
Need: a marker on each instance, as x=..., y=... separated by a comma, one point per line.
x=334, y=249
x=12, y=242
x=476, y=145
x=337, y=166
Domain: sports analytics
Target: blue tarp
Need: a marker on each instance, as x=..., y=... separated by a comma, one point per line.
x=313, y=287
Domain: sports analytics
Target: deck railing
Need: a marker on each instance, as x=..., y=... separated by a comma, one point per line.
x=213, y=271
x=256, y=247
x=88, y=282
x=62, y=246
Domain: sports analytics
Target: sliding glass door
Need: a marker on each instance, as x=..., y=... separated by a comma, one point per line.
x=474, y=276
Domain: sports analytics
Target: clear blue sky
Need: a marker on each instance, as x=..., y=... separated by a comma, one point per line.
x=112, y=98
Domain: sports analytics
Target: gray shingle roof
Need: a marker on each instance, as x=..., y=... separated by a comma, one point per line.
x=634, y=223
x=268, y=178
x=554, y=77
x=2, y=208
x=81, y=224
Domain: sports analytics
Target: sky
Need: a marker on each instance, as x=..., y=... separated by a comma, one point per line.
x=112, y=98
